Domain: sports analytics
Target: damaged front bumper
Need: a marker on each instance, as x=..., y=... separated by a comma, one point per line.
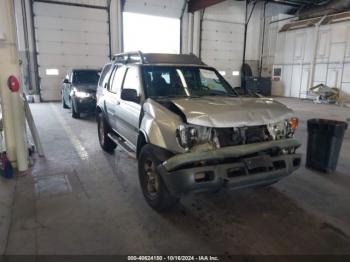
x=234, y=167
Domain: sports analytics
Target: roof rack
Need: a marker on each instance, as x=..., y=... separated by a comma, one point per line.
x=129, y=57
x=156, y=58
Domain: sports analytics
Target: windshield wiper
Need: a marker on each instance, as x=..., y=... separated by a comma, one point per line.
x=219, y=94
x=169, y=96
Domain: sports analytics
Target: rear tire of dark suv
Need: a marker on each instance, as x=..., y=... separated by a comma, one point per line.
x=102, y=128
x=152, y=185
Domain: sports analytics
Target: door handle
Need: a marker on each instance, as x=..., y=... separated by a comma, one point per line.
x=118, y=102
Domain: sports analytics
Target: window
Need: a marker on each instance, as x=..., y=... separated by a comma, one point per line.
x=118, y=77
x=86, y=77
x=151, y=34
x=163, y=81
x=132, y=80
x=105, y=70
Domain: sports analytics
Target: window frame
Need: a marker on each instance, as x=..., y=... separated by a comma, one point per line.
x=112, y=76
x=221, y=78
x=140, y=84
x=103, y=79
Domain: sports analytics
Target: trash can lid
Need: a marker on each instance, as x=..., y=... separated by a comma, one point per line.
x=329, y=126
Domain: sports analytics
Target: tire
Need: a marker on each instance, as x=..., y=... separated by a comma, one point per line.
x=75, y=112
x=102, y=128
x=64, y=105
x=155, y=191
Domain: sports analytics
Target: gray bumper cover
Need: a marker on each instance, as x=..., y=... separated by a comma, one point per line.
x=183, y=180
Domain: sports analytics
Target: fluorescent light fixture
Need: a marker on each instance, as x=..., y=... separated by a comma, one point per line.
x=52, y=72
x=223, y=73
x=235, y=73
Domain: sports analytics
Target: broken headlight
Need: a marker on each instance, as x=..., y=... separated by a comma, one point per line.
x=191, y=135
x=283, y=129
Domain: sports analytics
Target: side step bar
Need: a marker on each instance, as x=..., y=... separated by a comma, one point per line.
x=123, y=145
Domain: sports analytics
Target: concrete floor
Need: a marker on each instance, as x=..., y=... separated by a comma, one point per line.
x=80, y=200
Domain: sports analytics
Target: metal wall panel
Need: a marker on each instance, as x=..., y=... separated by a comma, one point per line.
x=287, y=79
x=295, y=48
x=223, y=38
x=296, y=83
x=305, y=78
x=68, y=37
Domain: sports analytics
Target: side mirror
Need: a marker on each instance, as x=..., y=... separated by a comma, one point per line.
x=130, y=95
x=66, y=81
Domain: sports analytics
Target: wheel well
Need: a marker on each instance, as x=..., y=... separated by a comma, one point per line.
x=141, y=141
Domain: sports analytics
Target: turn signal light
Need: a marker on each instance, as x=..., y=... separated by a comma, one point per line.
x=294, y=122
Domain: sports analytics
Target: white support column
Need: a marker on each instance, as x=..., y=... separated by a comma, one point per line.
x=12, y=105
x=116, y=21
x=196, y=33
x=25, y=45
x=190, y=34
x=314, y=56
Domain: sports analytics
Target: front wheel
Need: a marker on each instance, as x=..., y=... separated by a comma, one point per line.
x=102, y=128
x=152, y=185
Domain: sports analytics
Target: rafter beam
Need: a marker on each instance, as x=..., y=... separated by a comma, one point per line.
x=195, y=5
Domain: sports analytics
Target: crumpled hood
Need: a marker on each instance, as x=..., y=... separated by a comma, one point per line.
x=232, y=111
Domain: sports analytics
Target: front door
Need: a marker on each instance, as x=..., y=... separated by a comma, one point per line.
x=128, y=113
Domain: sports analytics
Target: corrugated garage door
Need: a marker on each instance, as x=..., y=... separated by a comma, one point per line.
x=68, y=37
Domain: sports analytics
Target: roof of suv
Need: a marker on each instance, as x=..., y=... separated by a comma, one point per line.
x=155, y=58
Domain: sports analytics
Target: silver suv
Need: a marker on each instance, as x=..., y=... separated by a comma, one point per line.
x=189, y=129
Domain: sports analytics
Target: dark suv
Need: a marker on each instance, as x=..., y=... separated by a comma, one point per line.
x=189, y=129
x=79, y=91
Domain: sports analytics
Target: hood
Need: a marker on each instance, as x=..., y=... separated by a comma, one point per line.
x=232, y=111
x=90, y=88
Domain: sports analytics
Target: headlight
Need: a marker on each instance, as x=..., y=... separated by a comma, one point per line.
x=82, y=94
x=283, y=129
x=190, y=135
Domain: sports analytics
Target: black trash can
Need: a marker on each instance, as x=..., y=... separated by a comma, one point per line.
x=325, y=138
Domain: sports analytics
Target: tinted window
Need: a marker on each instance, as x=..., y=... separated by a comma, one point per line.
x=103, y=75
x=86, y=77
x=183, y=81
x=132, y=80
x=118, y=77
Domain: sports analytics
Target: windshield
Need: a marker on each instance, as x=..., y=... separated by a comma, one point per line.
x=86, y=77
x=173, y=81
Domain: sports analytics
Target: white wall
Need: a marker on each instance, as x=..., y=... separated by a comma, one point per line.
x=222, y=36
x=293, y=53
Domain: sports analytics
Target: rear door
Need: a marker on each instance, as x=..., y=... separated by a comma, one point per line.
x=112, y=95
x=128, y=113
x=103, y=82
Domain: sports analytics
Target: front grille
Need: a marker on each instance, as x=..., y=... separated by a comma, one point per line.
x=242, y=135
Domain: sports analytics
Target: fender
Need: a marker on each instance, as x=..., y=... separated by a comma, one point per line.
x=158, y=125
